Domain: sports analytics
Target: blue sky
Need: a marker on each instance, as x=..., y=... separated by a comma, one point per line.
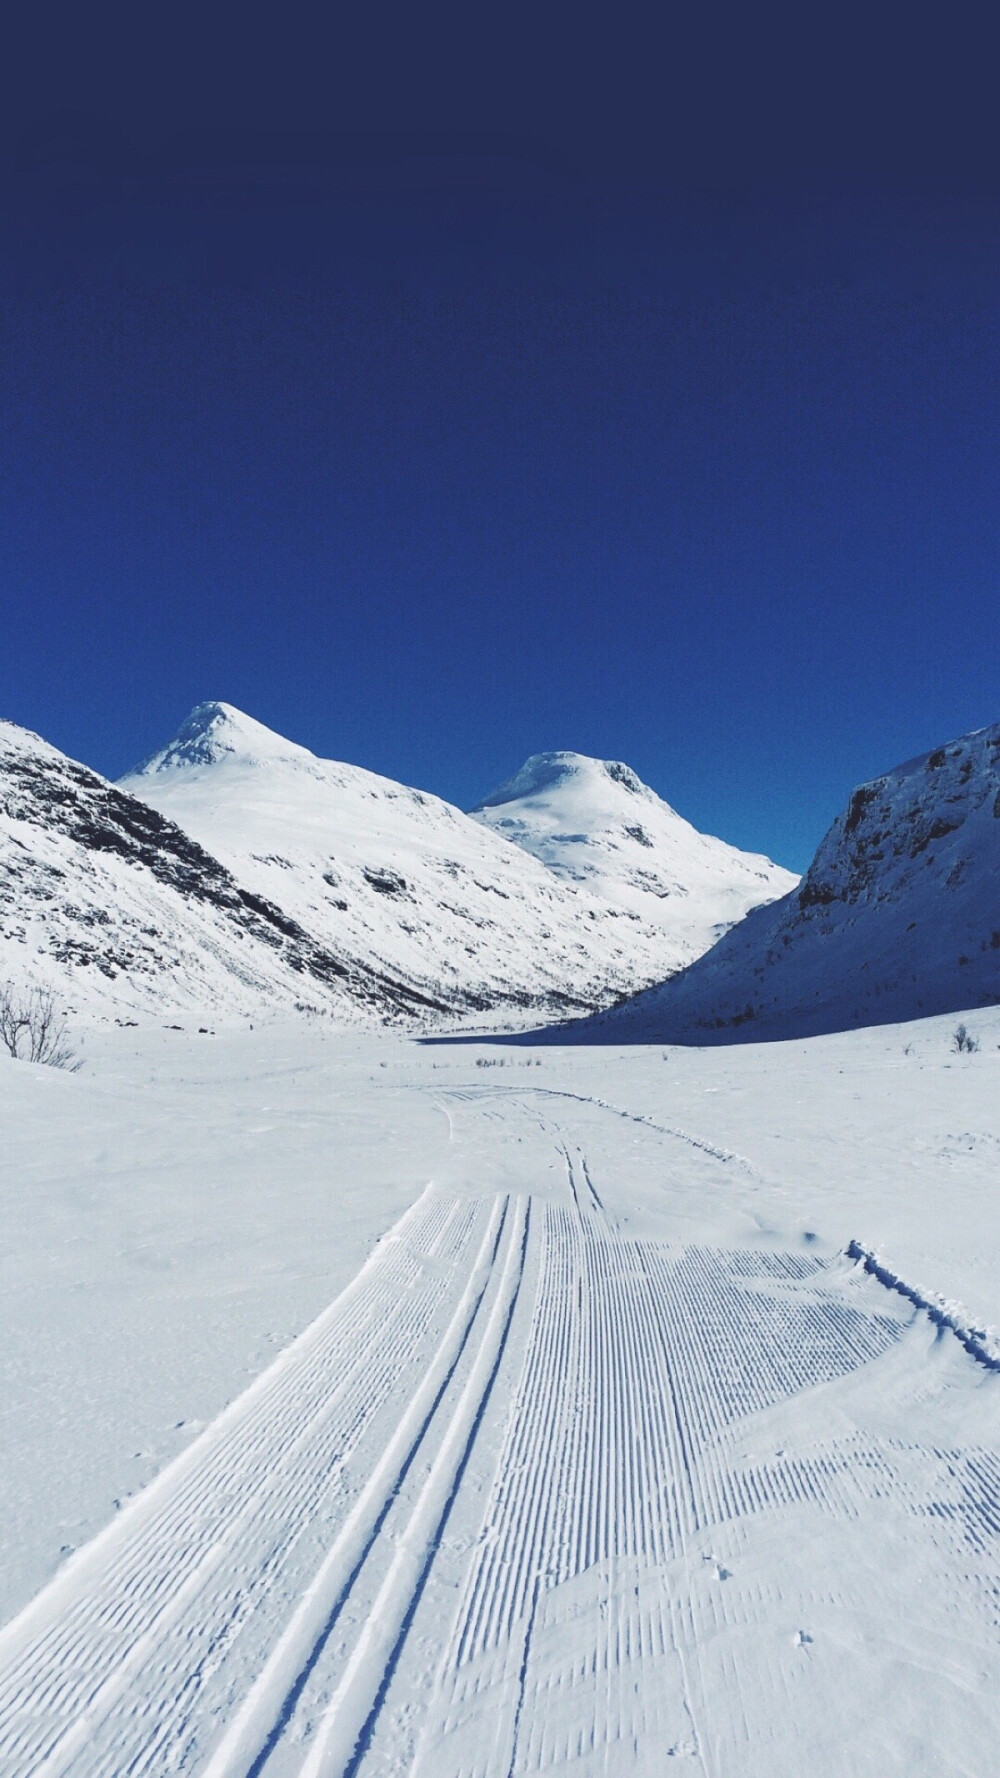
x=436, y=450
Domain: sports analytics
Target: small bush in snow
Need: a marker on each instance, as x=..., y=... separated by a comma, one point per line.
x=33, y=1028
x=964, y=1041
x=501, y=1062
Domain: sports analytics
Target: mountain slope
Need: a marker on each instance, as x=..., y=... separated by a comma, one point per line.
x=106, y=900
x=897, y=917
x=596, y=824
x=394, y=878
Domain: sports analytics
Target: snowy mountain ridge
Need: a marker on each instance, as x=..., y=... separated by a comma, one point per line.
x=594, y=823
x=234, y=870
x=395, y=877
x=104, y=899
x=109, y=901
x=897, y=917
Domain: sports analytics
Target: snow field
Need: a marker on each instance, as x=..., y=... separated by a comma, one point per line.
x=154, y=1602
x=609, y=1455
x=639, y=1361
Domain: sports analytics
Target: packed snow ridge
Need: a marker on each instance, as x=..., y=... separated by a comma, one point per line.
x=897, y=917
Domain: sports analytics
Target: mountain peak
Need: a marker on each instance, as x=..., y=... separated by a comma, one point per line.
x=553, y=771
x=896, y=917
x=595, y=824
x=215, y=731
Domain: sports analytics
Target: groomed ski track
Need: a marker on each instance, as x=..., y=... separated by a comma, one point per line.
x=537, y=1493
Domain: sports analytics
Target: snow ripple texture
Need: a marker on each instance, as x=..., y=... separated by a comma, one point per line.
x=499, y=1511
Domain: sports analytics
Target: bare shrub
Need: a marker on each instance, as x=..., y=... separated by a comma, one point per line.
x=33, y=1028
x=964, y=1041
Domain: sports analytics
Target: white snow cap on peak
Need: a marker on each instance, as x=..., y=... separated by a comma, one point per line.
x=214, y=732
x=595, y=824
x=552, y=771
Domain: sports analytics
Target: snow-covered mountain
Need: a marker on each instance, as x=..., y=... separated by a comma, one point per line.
x=897, y=917
x=106, y=900
x=234, y=870
x=394, y=879
x=596, y=824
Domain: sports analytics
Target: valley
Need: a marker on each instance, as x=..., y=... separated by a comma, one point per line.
x=591, y=1437
x=443, y=1338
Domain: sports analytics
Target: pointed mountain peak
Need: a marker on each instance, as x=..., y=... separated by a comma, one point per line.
x=216, y=732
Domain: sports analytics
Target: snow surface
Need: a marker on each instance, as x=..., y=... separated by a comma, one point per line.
x=394, y=879
x=215, y=732
x=118, y=911
x=317, y=886
x=234, y=874
x=897, y=916
x=594, y=822
x=605, y=1455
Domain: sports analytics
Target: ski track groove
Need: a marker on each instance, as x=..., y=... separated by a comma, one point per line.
x=730, y=1156
x=630, y=1365
x=646, y=1357
x=63, y=1679
x=268, y=1706
x=348, y=1720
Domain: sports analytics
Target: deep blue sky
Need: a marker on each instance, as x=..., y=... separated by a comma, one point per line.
x=437, y=410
